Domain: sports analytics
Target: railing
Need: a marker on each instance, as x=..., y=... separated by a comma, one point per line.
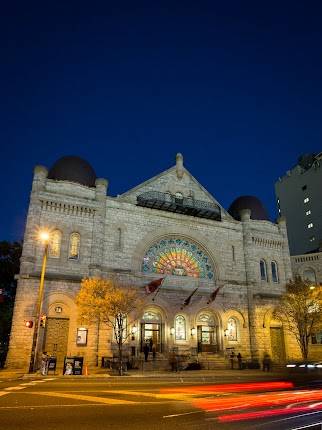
x=185, y=205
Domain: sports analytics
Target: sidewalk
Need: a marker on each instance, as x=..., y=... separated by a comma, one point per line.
x=134, y=374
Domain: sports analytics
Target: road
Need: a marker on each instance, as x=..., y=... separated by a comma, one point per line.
x=243, y=402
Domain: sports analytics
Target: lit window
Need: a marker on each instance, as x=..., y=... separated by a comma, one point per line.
x=274, y=271
x=306, y=200
x=263, y=271
x=74, y=243
x=232, y=329
x=312, y=238
x=308, y=212
x=55, y=244
x=180, y=327
x=310, y=225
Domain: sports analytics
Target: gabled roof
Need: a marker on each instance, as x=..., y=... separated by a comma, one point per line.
x=175, y=179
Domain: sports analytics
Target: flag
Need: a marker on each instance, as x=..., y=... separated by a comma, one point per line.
x=188, y=299
x=213, y=295
x=152, y=286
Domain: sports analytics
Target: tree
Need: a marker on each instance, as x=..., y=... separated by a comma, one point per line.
x=9, y=266
x=301, y=309
x=111, y=302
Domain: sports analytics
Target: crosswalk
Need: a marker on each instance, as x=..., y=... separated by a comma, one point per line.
x=106, y=397
x=23, y=386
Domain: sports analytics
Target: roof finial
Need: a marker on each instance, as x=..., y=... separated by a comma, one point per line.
x=179, y=165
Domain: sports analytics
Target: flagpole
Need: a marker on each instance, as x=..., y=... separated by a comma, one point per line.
x=157, y=291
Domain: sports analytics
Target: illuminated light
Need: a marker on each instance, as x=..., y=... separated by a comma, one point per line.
x=310, y=366
x=267, y=413
x=193, y=331
x=254, y=386
x=291, y=365
x=29, y=324
x=172, y=331
x=258, y=400
x=44, y=236
x=302, y=365
x=319, y=366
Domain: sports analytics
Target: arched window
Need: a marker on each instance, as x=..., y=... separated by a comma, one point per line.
x=274, y=271
x=74, y=244
x=232, y=329
x=309, y=275
x=263, y=270
x=180, y=327
x=55, y=244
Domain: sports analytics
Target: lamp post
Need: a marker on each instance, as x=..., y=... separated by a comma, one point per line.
x=44, y=238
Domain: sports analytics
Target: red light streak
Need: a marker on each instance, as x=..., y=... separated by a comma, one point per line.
x=264, y=414
x=222, y=388
x=262, y=400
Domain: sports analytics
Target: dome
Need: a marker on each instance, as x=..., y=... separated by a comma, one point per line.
x=258, y=212
x=73, y=169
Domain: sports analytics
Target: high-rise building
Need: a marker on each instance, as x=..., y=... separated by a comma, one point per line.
x=299, y=200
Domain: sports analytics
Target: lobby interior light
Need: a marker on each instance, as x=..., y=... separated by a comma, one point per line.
x=172, y=331
x=134, y=329
x=193, y=331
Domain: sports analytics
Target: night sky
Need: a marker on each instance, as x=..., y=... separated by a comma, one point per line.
x=234, y=86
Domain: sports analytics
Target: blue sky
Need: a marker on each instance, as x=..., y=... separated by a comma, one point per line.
x=234, y=86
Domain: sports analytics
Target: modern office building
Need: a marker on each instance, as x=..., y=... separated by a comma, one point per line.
x=299, y=200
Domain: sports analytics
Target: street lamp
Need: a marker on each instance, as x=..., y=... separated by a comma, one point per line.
x=44, y=237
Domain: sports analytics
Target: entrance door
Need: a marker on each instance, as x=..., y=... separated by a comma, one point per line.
x=277, y=343
x=207, y=339
x=151, y=331
x=56, y=338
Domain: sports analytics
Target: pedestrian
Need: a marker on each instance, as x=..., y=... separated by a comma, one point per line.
x=44, y=364
x=151, y=344
x=173, y=361
x=240, y=362
x=232, y=358
x=266, y=362
x=146, y=350
x=154, y=352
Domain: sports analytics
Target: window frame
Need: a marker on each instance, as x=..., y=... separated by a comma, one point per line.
x=74, y=234
x=176, y=325
x=265, y=277
x=275, y=278
x=52, y=242
x=236, y=337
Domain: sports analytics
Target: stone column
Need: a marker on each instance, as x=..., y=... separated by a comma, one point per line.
x=97, y=252
x=248, y=256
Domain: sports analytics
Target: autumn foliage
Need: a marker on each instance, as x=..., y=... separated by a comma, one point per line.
x=111, y=302
x=301, y=310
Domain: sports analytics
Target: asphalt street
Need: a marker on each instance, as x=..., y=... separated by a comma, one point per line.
x=242, y=402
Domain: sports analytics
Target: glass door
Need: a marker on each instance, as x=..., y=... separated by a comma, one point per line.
x=151, y=334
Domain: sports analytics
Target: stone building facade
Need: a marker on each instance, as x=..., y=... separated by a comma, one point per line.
x=171, y=227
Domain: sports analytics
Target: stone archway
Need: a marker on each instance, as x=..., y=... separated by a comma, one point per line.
x=208, y=333
x=277, y=340
x=152, y=329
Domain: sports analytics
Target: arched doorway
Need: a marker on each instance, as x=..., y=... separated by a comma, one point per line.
x=152, y=330
x=277, y=341
x=207, y=333
x=56, y=332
